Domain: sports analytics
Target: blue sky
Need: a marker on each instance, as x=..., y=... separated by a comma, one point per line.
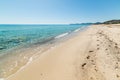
x=57, y=11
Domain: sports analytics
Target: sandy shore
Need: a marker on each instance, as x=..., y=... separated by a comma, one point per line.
x=94, y=54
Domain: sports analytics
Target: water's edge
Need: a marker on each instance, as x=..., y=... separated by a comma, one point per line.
x=36, y=49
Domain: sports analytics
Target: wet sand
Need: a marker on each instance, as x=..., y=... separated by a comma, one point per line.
x=93, y=54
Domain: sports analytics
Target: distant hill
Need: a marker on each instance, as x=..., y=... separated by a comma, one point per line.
x=112, y=22
x=106, y=22
x=81, y=24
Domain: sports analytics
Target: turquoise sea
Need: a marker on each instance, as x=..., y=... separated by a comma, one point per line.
x=15, y=36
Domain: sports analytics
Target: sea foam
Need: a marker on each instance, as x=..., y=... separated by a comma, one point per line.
x=61, y=35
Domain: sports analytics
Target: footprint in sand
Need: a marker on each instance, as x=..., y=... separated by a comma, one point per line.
x=118, y=52
x=115, y=43
x=42, y=76
x=88, y=57
x=91, y=51
x=92, y=60
x=106, y=49
x=98, y=40
x=91, y=78
x=109, y=45
x=96, y=70
x=98, y=48
x=117, y=76
x=83, y=65
x=97, y=44
x=116, y=47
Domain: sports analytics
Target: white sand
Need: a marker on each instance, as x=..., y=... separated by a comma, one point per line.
x=94, y=54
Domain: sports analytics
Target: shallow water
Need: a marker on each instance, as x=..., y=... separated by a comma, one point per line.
x=18, y=43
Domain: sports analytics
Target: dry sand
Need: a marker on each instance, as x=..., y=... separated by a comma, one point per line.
x=94, y=54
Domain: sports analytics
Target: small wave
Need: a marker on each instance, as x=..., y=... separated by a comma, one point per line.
x=30, y=60
x=61, y=35
x=77, y=30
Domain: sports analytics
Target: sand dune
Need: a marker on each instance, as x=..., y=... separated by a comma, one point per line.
x=93, y=54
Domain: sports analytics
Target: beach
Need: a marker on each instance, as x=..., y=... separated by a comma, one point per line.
x=92, y=54
x=21, y=44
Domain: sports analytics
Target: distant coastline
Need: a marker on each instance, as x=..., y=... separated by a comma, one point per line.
x=115, y=21
x=82, y=24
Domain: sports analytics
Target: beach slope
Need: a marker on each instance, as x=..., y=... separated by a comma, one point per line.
x=93, y=54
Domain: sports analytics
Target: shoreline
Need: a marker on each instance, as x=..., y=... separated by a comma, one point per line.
x=59, y=43
x=45, y=47
x=93, y=54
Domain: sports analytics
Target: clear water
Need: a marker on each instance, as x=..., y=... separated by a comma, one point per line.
x=20, y=36
x=15, y=35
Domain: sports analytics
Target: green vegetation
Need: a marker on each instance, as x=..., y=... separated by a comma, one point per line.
x=112, y=22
